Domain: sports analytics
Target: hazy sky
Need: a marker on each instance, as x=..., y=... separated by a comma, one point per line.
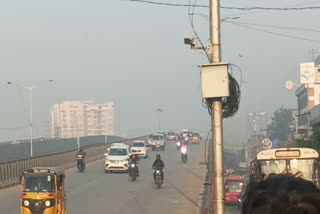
x=133, y=54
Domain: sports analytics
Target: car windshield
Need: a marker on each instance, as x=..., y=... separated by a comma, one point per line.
x=138, y=144
x=234, y=186
x=39, y=183
x=157, y=137
x=171, y=133
x=117, y=152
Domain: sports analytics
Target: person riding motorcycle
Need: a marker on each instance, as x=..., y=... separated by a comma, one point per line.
x=184, y=145
x=80, y=157
x=133, y=159
x=81, y=153
x=158, y=164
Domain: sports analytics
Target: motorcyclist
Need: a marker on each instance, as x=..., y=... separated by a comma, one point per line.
x=184, y=149
x=133, y=159
x=80, y=157
x=158, y=164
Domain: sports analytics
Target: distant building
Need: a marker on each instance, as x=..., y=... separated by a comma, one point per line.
x=82, y=118
x=258, y=123
x=308, y=96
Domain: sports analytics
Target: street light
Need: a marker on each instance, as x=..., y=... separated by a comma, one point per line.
x=159, y=110
x=29, y=88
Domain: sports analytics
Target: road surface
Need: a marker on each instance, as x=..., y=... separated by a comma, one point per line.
x=95, y=192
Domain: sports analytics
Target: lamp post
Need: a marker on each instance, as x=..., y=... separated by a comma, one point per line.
x=159, y=110
x=29, y=88
x=77, y=123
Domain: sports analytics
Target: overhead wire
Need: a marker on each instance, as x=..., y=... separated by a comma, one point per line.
x=274, y=33
x=261, y=11
x=279, y=27
x=193, y=28
x=14, y=128
x=228, y=8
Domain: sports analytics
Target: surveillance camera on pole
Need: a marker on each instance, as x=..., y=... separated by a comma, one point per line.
x=190, y=41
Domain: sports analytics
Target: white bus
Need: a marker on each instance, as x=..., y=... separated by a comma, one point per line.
x=301, y=162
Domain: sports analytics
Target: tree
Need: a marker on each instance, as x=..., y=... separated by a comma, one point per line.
x=313, y=141
x=280, y=124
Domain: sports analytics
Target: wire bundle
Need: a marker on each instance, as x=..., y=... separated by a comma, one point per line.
x=231, y=104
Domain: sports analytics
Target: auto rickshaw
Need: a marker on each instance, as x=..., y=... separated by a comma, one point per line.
x=195, y=139
x=43, y=191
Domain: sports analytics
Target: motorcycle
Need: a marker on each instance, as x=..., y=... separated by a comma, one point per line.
x=80, y=163
x=133, y=171
x=178, y=145
x=158, y=178
x=184, y=156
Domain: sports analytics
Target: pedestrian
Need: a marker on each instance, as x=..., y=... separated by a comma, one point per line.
x=281, y=194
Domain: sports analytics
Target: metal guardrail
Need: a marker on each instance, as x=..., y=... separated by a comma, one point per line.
x=11, y=171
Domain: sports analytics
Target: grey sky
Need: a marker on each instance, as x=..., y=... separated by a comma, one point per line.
x=133, y=54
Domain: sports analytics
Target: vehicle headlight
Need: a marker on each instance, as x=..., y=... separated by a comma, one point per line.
x=26, y=203
x=47, y=203
x=158, y=171
x=184, y=150
x=133, y=165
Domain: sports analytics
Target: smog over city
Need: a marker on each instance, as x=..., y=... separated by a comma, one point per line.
x=158, y=106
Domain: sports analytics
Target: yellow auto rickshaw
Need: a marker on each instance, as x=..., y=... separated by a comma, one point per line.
x=43, y=191
x=195, y=140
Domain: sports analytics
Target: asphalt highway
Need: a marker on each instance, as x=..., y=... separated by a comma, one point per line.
x=95, y=192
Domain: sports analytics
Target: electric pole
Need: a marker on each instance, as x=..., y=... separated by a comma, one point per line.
x=30, y=113
x=216, y=116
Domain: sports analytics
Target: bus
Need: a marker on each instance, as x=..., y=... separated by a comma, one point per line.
x=301, y=162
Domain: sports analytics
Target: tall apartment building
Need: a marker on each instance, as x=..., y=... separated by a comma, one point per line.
x=82, y=118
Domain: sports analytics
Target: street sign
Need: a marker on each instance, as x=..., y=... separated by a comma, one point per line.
x=307, y=73
x=266, y=143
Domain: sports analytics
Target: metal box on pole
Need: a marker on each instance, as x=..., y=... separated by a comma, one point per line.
x=214, y=80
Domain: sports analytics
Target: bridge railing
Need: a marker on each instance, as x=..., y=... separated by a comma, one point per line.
x=11, y=171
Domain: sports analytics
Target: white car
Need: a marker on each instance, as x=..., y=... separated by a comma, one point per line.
x=117, y=158
x=139, y=148
x=158, y=142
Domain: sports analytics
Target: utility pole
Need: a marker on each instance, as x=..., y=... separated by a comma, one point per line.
x=216, y=116
x=159, y=111
x=31, y=131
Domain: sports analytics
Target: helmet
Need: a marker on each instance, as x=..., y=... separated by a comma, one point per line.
x=158, y=157
x=80, y=150
x=133, y=156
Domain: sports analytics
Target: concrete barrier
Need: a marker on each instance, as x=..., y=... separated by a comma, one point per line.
x=11, y=171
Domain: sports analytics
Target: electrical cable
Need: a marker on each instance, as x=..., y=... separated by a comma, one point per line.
x=229, y=8
x=231, y=104
x=13, y=128
x=261, y=11
x=206, y=148
x=279, y=27
x=278, y=34
x=194, y=30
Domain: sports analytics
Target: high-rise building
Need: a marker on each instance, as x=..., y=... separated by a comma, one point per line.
x=258, y=122
x=82, y=118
